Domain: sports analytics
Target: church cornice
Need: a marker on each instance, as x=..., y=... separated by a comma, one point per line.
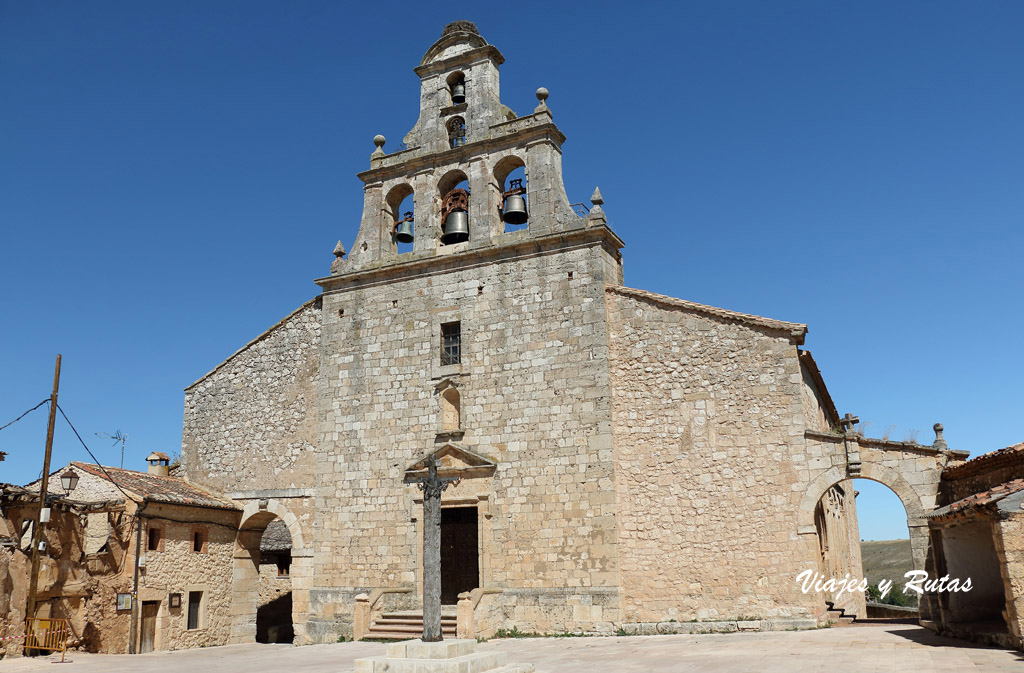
x=426, y=265
x=427, y=67
x=521, y=130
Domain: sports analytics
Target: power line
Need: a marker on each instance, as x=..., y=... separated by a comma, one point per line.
x=25, y=414
x=102, y=469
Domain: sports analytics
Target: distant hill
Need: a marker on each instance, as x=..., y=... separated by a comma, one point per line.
x=888, y=560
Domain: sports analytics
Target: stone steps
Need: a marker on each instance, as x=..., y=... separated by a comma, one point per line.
x=407, y=624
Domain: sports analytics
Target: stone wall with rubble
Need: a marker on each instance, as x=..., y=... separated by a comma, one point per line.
x=177, y=568
x=73, y=584
x=251, y=422
x=708, y=418
x=535, y=397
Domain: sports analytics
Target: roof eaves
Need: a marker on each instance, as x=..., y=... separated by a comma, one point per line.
x=807, y=360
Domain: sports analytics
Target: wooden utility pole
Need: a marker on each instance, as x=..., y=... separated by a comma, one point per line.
x=37, y=530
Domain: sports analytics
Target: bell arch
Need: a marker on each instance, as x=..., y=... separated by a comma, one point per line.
x=456, y=78
x=256, y=516
x=456, y=127
x=394, y=213
x=504, y=166
x=450, y=180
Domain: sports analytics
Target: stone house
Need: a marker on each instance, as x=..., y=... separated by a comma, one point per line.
x=980, y=535
x=628, y=460
x=176, y=538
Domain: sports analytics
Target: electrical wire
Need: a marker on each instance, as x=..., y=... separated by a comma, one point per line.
x=102, y=469
x=25, y=414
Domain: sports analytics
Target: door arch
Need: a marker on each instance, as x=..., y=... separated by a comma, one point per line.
x=256, y=517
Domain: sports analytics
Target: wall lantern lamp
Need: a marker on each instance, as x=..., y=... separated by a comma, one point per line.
x=69, y=480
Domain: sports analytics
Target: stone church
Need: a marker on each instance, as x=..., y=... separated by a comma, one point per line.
x=627, y=460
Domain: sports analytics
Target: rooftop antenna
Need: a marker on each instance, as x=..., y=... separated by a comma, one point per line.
x=118, y=436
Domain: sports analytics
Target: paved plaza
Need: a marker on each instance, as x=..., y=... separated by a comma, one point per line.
x=857, y=649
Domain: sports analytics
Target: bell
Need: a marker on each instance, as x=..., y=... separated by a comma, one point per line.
x=459, y=93
x=404, y=232
x=515, y=210
x=456, y=227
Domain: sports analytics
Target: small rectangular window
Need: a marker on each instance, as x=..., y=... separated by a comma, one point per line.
x=154, y=539
x=451, y=343
x=284, y=564
x=198, y=541
x=195, y=599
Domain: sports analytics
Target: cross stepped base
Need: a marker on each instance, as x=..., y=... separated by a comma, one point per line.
x=447, y=656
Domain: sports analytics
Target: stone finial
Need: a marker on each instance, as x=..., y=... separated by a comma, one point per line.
x=849, y=423
x=940, y=441
x=379, y=141
x=596, y=215
x=542, y=96
x=339, y=254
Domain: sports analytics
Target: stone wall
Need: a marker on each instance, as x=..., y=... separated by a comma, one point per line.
x=709, y=420
x=177, y=568
x=1009, y=543
x=251, y=422
x=534, y=393
x=274, y=605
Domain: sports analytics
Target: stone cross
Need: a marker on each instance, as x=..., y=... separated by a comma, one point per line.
x=848, y=421
x=432, y=486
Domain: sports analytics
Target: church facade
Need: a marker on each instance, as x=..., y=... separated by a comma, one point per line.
x=625, y=458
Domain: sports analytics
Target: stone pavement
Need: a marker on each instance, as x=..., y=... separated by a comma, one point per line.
x=863, y=649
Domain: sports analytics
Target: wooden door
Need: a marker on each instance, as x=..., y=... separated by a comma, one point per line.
x=149, y=612
x=459, y=553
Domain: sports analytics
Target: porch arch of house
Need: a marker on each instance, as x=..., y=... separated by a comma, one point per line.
x=245, y=578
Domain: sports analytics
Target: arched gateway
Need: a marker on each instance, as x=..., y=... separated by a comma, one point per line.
x=245, y=594
x=911, y=470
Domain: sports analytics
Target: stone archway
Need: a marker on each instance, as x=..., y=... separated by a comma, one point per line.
x=912, y=471
x=256, y=516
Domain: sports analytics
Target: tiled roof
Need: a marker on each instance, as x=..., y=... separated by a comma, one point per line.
x=998, y=494
x=1011, y=455
x=157, y=488
x=795, y=330
x=276, y=537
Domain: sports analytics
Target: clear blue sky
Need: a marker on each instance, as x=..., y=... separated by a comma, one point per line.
x=173, y=176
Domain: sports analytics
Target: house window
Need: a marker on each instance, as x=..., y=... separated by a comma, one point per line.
x=154, y=539
x=284, y=564
x=195, y=600
x=198, y=541
x=451, y=343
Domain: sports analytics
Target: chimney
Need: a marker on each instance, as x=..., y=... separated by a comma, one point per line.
x=158, y=464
